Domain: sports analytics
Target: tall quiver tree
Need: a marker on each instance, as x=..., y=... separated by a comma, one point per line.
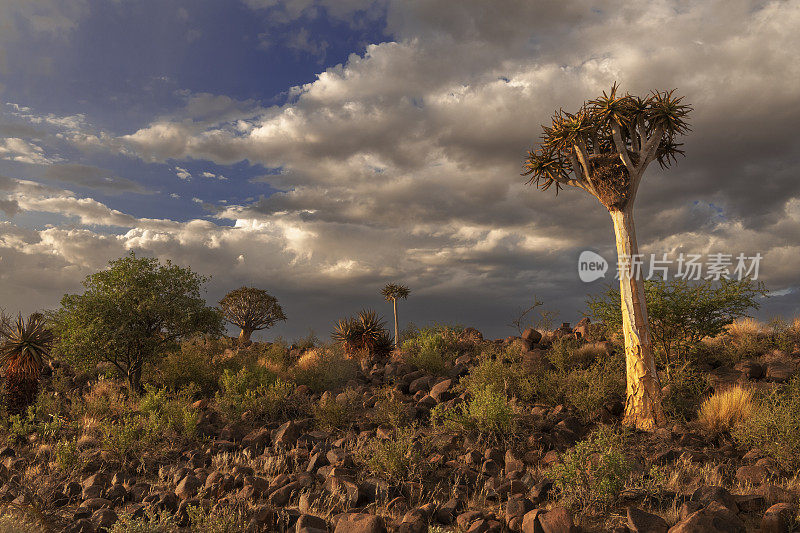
x=604, y=148
x=251, y=310
x=392, y=292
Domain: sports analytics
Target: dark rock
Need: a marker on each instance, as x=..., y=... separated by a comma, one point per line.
x=311, y=524
x=709, y=520
x=104, y=518
x=706, y=495
x=359, y=523
x=778, y=518
x=557, y=520
x=642, y=522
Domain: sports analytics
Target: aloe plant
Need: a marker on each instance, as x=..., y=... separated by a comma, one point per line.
x=23, y=350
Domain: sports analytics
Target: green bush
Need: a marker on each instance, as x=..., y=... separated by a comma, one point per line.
x=151, y=523
x=124, y=436
x=399, y=458
x=337, y=412
x=169, y=413
x=566, y=354
x=587, y=390
x=682, y=312
x=500, y=371
x=432, y=348
x=774, y=426
x=216, y=520
x=391, y=411
x=66, y=455
x=685, y=389
x=593, y=472
x=253, y=389
x=194, y=365
x=487, y=411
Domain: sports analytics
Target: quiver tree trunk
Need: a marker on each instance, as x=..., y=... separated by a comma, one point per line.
x=396, y=329
x=21, y=391
x=244, y=336
x=643, y=406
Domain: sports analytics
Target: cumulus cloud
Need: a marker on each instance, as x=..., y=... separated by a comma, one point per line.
x=404, y=162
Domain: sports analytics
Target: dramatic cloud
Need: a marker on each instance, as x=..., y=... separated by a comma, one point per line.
x=403, y=162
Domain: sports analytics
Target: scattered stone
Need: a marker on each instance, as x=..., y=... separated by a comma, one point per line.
x=359, y=523
x=642, y=522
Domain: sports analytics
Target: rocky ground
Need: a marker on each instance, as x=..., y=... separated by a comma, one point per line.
x=307, y=476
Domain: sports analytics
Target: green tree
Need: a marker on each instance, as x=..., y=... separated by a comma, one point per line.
x=683, y=312
x=251, y=310
x=132, y=314
x=23, y=348
x=604, y=148
x=393, y=291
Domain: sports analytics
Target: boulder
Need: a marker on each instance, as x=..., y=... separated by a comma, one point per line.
x=778, y=518
x=359, y=523
x=642, y=522
x=711, y=519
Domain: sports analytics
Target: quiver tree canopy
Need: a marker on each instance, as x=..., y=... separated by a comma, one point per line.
x=607, y=144
x=251, y=310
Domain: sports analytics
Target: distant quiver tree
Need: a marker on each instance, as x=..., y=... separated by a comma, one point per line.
x=251, y=310
x=393, y=291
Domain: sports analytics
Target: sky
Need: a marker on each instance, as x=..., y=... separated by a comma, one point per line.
x=319, y=149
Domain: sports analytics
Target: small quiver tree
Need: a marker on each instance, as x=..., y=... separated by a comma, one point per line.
x=393, y=291
x=251, y=310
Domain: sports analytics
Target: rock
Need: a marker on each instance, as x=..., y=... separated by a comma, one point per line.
x=259, y=438
x=557, y=520
x=465, y=520
x=441, y=391
x=83, y=525
x=281, y=496
x=188, y=487
x=778, y=372
x=518, y=506
x=94, y=504
x=724, y=377
x=752, y=474
x=287, y=434
x=773, y=494
x=532, y=336
x=104, y=518
x=778, y=518
x=359, y=523
x=708, y=494
x=710, y=520
x=311, y=524
x=750, y=369
x=447, y=512
x=642, y=522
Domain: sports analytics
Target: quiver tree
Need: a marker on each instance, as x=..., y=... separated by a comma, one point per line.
x=23, y=349
x=392, y=292
x=251, y=310
x=604, y=148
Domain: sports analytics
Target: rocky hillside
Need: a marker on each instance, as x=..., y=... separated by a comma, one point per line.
x=453, y=433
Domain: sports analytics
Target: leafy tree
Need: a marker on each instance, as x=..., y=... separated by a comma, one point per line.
x=251, y=309
x=132, y=314
x=683, y=312
x=604, y=148
x=392, y=292
x=23, y=349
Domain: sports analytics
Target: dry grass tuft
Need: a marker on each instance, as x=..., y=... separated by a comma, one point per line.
x=726, y=409
x=746, y=327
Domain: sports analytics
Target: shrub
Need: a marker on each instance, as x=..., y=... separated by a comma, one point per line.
x=593, y=472
x=501, y=371
x=364, y=334
x=391, y=411
x=774, y=426
x=742, y=338
x=587, y=390
x=193, y=364
x=399, y=458
x=685, y=388
x=66, y=455
x=105, y=399
x=337, y=412
x=151, y=523
x=682, y=312
x=217, y=520
x=124, y=436
x=487, y=411
x=14, y=521
x=568, y=353
x=253, y=389
x=169, y=413
x=726, y=409
x=432, y=348
x=324, y=368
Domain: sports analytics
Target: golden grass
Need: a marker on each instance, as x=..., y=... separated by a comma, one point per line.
x=746, y=327
x=726, y=409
